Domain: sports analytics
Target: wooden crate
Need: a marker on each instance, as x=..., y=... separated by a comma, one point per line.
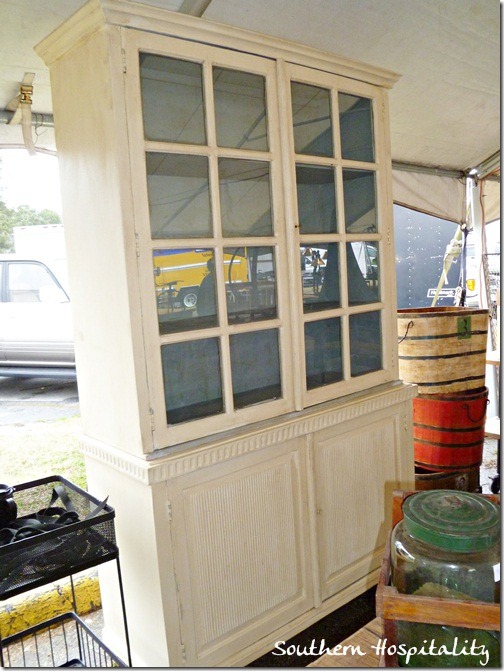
x=392, y=606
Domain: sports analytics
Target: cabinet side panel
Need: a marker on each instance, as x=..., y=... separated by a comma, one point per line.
x=97, y=217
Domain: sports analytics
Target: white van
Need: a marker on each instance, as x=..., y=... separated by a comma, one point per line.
x=36, y=330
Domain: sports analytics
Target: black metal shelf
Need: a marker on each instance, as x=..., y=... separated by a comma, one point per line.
x=62, y=641
x=40, y=558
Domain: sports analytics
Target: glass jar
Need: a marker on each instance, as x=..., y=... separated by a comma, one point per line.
x=447, y=546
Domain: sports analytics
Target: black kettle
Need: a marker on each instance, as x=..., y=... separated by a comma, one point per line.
x=8, y=507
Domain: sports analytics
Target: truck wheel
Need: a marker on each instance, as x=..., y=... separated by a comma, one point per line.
x=190, y=299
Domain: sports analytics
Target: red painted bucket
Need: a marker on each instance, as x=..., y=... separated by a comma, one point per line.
x=449, y=430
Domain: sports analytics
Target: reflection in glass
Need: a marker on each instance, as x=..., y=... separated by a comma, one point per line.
x=356, y=127
x=316, y=199
x=183, y=363
x=185, y=289
x=365, y=343
x=311, y=114
x=249, y=273
x=179, y=200
x=320, y=276
x=323, y=353
x=359, y=193
x=240, y=109
x=245, y=197
x=172, y=99
x=255, y=362
x=363, y=273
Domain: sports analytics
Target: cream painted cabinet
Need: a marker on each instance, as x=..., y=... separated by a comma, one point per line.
x=287, y=529
x=227, y=211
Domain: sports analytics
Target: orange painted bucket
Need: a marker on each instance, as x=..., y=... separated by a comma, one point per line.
x=449, y=430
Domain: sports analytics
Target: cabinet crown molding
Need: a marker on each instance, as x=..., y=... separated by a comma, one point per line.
x=122, y=13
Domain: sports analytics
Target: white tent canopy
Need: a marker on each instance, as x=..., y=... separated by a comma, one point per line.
x=444, y=110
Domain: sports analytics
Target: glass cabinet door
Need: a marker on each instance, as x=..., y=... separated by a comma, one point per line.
x=339, y=231
x=261, y=229
x=209, y=122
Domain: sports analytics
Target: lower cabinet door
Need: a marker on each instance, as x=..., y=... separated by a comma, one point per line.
x=241, y=550
x=356, y=468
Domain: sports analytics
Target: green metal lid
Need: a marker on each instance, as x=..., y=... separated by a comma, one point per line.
x=452, y=520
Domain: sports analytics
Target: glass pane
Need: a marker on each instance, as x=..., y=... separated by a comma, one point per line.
x=363, y=273
x=365, y=343
x=356, y=127
x=240, y=109
x=172, y=99
x=192, y=380
x=320, y=276
x=245, y=197
x=360, y=201
x=316, y=199
x=323, y=353
x=185, y=289
x=179, y=199
x=255, y=363
x=311, y=114
x=32, y=283
x=250, y=283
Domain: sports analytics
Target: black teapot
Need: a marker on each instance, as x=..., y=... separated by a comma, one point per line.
x=8, y=507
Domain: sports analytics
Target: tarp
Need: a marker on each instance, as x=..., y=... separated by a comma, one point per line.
x=441, y=196
x=490, y=200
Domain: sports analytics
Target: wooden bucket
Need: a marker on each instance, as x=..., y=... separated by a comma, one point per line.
x=449, y=430
x=442, y=349
x=463, y=481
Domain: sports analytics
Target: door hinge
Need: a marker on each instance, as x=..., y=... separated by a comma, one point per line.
x=169, y=510
x=183, y=652
x=123, y=55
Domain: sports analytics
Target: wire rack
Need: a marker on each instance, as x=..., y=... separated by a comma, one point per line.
x=63, y=641
x=35, y=561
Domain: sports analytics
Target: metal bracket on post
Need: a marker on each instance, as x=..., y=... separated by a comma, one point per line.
x=21, y=106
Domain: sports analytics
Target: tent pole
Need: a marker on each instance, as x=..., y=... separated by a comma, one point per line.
x=477, y=225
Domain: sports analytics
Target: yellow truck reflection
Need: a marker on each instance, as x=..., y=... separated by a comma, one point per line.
x=178, y=274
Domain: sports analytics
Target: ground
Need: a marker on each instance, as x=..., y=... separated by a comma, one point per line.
x=39, y=430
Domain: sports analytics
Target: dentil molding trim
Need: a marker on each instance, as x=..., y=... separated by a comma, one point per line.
x=169, y=463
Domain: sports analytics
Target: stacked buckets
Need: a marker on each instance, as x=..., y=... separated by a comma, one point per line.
x=443, y=351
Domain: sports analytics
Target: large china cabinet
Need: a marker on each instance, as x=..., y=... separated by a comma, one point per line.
x=228, y=217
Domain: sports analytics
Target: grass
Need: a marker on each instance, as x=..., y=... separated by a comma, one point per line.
x=41, y=449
